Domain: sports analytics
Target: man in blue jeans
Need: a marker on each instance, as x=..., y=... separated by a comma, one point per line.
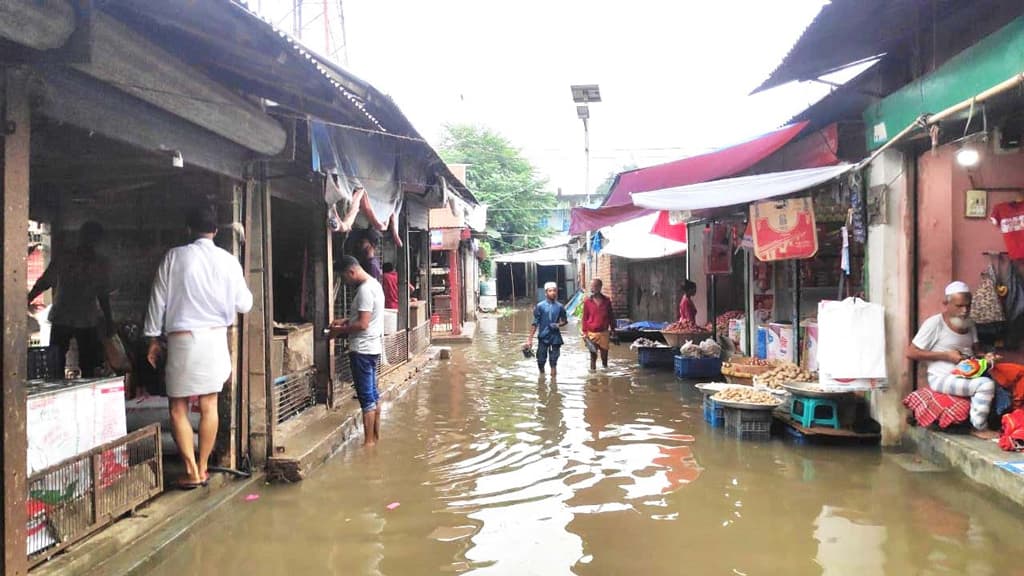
x=548, y=318
x=365, y=330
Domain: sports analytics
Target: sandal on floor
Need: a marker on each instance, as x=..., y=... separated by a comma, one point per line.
x=186, y=483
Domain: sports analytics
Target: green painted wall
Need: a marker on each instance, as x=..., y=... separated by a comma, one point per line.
x=992, y=60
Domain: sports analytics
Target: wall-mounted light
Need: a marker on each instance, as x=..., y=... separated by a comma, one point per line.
x=968, y=156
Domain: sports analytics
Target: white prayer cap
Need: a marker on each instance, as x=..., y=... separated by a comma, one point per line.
x=957, y=287
x=550, y=286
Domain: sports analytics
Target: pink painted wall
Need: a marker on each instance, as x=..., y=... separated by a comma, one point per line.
x=951, y=245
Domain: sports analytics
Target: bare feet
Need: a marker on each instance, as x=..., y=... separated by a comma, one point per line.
x=985, y=434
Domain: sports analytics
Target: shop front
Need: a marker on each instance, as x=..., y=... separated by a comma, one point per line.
x=783, y=255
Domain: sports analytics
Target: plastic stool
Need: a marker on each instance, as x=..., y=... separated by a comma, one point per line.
x=806, y=411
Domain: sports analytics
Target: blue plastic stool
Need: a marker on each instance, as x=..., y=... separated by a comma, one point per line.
x=808, y=412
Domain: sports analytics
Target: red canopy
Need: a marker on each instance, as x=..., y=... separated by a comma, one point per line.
x=618, y=207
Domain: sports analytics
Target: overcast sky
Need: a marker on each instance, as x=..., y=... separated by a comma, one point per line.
x=674, y=75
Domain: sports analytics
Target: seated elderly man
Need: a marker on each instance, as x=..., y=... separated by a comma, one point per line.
x=946, y=339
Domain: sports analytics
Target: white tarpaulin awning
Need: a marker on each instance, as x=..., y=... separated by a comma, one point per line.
x=549, y=256
x=633, y=239
x=735, y=191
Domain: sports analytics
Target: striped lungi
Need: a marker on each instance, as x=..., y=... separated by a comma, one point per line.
x=198, y=362
x=979, y=390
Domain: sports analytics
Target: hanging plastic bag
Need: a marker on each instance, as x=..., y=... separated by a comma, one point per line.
x=115, y=355
x=851, y=340
x=986, y=307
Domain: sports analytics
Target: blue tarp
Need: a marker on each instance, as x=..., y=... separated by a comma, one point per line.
x=647, y=325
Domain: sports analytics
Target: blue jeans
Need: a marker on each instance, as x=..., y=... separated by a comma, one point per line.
x=364, y=376
x=546, y=352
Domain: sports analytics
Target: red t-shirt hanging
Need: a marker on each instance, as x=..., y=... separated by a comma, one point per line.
x=1009, y=217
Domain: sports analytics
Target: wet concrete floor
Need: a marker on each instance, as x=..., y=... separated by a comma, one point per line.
x=497, y=471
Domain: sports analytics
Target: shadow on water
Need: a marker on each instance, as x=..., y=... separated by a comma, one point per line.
x=499, y=471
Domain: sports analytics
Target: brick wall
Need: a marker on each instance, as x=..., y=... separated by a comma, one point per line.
x=613, y=271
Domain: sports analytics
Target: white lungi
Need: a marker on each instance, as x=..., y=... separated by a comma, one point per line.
x=198, y=363
x=979, y=390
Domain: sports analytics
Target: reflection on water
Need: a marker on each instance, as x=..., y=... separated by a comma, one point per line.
x=498, y=471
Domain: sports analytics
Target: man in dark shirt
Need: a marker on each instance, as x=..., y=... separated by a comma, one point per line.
x=82, y=281
x=548, y=317
x=367, y=255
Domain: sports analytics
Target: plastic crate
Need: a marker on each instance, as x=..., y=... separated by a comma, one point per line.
x=698, y=367
x=713, y=412
x=42, y=362
x=748, y=424
x=655, y=357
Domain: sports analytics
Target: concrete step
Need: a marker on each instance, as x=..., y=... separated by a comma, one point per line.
x=980, y=460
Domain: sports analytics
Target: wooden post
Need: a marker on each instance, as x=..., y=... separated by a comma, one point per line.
x=246, y=326
x=259, y=337
x=402, y=266
x=226, y=449
x=323, y=307
x=270, y=419
x=14, y=357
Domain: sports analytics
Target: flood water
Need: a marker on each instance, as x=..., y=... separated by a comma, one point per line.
x=496, y=471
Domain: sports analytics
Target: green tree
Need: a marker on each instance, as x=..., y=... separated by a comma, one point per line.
x=501, y=178
x=604, y=187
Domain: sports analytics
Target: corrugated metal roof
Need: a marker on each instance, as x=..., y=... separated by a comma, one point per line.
x=847, y=32
x=241, y=47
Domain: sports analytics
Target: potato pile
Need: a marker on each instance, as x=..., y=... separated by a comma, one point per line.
x=786, y=373
x=747, y=395
x=746, y=361
x=744, y=370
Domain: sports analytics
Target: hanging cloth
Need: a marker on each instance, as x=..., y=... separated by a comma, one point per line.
x=853, y=189
x=1014, y=303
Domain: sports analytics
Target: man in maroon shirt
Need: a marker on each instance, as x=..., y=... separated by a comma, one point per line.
x=389, y=282
x=598, y=322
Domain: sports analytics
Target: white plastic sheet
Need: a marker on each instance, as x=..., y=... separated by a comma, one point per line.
x=851, y=341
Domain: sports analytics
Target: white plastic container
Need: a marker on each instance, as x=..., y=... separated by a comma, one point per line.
x=390, y=321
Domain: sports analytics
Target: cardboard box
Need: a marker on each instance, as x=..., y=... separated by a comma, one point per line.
x=738, y=334
x=781, y=342
x=297, y=347
x=809, y=358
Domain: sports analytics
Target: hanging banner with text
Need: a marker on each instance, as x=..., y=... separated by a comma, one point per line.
x=784, y=229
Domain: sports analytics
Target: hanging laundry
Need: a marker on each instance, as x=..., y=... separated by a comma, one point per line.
x=853, y=185
x=845, y=261
x=1009, y=217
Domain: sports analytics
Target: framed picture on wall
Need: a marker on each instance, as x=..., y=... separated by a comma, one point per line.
x=976, y=204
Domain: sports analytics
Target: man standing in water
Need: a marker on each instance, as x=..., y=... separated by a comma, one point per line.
x=598, y=322
x=198, y=293
x=365, y=331
x=548, y=317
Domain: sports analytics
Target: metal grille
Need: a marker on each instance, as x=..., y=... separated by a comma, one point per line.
x=72, y=499
x=396, y=348
x=342, y=376
x=419, y=339
x=441, y=314
x=293, y=394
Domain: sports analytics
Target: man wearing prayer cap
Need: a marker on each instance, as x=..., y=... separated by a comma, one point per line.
x=548, y=317
x=945, y=340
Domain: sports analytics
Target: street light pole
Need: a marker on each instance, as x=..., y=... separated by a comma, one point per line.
x=583, y=95
x=586, y=151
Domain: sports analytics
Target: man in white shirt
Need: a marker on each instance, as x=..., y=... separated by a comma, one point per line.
x=198, y=293
x=943, y=341
x=365, y=331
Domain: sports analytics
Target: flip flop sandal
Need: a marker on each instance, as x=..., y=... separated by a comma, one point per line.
x=186, y=483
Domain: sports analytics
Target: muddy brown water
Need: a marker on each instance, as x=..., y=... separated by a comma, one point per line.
x=496, y=471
